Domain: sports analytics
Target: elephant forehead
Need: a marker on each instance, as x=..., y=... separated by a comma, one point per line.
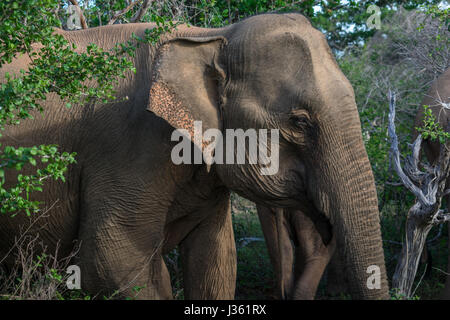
x=281, y=52
x=275, y=41
x=296, y=67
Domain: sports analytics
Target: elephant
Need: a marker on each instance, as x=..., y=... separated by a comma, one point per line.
x=437, y=95
x=302, y=249
x=300, y=246
x=128, y=202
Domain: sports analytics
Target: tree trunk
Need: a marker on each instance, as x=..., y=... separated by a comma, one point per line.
x=405, y=272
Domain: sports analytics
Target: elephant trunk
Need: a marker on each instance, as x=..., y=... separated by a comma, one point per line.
x=350, y=201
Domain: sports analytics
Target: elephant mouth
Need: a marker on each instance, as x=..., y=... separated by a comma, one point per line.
x=287, y=203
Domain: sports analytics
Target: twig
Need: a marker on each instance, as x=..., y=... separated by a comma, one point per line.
x=141, y=12
x=420, y=281
x=394, y=184
x=393, y=242
x=24, y=233
x=446, y=273
x=124, y=11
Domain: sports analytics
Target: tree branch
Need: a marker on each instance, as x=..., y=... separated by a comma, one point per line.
x=124, y=11
x=441, y=217
x=82, y=18
x=138, y=16
x=396, y=153
x=429, y=188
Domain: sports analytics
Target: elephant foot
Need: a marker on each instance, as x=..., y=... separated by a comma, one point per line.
x=306, y=285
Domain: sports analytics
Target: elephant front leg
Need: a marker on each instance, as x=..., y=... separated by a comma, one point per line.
x=208, y=255
x=281, y=250
x=291, y=235
x=315, y=246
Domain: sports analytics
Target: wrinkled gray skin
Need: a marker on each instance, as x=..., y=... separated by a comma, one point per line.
x=439, y=93
x=300, y=246
x=129, y=204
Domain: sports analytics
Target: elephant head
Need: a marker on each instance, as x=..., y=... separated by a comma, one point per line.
x=277, y=72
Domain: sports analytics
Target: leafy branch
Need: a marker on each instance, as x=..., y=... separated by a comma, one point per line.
x=17, y=198
x=55, y=67
x=431, y=128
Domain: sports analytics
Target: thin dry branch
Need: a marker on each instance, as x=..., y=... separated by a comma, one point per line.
x=425, y=48
x=141, y=12
x=34, y=272
x=82, y=18
x=122, y=12
x=406, y=179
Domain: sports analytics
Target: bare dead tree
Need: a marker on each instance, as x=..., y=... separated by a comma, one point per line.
x=429, y=188
x=82, y=18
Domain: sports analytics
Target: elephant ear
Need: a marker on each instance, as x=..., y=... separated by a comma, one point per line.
x=185, y=83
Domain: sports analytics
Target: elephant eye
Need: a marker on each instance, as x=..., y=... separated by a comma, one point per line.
x=299, y=122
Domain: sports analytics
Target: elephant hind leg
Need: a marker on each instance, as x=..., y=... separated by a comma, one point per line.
x=120, y=258
x=123, y=272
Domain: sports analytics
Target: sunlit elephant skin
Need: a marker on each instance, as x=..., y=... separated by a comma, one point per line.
x=129, y=204
x=438, y=93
